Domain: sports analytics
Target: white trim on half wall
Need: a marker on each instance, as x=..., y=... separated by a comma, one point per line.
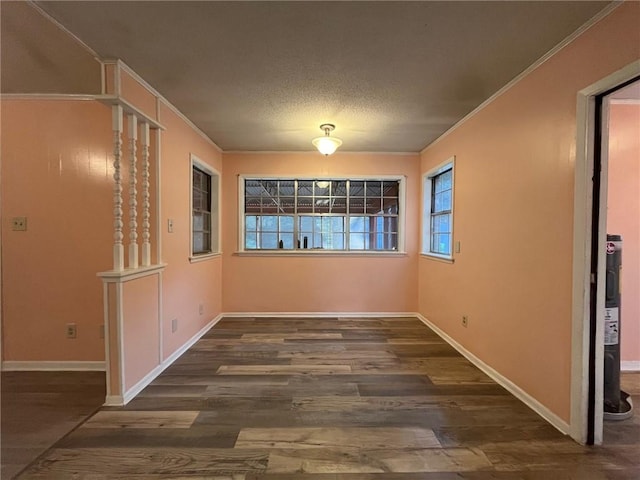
x=119, y=400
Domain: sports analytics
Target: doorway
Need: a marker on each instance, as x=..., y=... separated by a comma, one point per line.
x=621, y=151
x=589, y=255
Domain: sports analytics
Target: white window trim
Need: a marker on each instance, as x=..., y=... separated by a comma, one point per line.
x=203, y=257
x=402, y=179
x=215, y=219
x=425, y=247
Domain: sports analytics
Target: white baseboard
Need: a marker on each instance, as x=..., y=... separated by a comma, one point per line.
x=113, y=401
x=630, y=366
x=146, y=380
x=514, y=389
x=174, y=356
x=119, y=400
x=320, y=314
x=34, y=366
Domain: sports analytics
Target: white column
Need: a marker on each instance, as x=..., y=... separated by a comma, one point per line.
x=133, y=191
x=118, y=248
x=146, y=245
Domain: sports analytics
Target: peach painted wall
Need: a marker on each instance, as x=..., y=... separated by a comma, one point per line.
x=141, y=336
x=623, y=217
x=110, y=79
x=352, y=283
x=185, y=285
x=137, y=94
x=56, y=172
x=59, y=175
x=514, y=186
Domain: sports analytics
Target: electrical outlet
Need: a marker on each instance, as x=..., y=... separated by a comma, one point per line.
x=201, y=309
x=72, y=330
x=465, y=321
x=101, y=331
x=170, y=225
x=19, y=224
x=174, y=325
x=457, y=249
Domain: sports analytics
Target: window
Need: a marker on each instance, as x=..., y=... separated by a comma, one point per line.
x=437, y=222
x=320, y=215
x=204, y=208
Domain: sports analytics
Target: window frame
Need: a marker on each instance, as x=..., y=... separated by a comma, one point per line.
x=401, y=179
x=428, y=183
x=215, y=196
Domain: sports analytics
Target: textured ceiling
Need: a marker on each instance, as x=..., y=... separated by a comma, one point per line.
x=263, y=76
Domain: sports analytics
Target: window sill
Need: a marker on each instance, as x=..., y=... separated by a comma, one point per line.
x=321, y=253
x=204, y=257
x=437, y=258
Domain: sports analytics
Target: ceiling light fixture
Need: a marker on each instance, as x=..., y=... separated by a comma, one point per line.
x=327, y=145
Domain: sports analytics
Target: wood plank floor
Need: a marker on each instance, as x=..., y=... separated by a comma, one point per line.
x=39, y=408
x=326, y=399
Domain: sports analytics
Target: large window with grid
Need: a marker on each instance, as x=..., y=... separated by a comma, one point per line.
x=321, y=214
x=437, y=233
x=204, y=208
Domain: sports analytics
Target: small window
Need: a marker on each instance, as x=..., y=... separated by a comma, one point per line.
x=437, y=232
x=204, y=208
x=321, y=214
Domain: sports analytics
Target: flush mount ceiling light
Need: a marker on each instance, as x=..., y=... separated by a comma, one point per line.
x=327, y=145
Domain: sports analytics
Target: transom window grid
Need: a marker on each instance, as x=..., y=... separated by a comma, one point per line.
x=441, y=210
x=202, y=198
x=299, y=214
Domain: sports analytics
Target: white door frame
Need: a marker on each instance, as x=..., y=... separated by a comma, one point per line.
x=582, y=225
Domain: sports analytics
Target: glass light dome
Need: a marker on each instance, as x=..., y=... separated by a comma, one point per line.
x=327, y=145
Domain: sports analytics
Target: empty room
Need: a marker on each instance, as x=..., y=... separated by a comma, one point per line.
x=320, y=240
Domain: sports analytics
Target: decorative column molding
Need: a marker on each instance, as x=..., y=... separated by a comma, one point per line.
x=118, y=248
x=146, y=244
x=133, y=191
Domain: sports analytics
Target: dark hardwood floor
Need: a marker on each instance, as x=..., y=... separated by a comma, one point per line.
x=39, y=408
x=326, y=399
